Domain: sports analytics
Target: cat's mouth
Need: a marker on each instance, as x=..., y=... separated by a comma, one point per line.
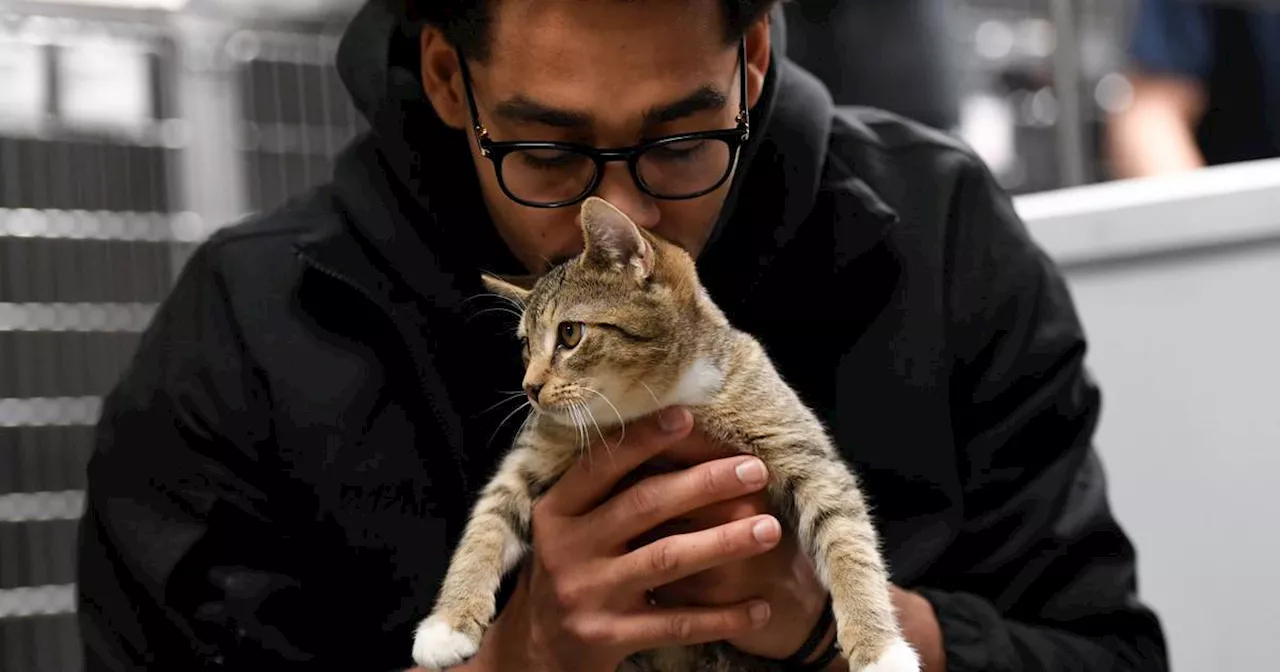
x=594, y=411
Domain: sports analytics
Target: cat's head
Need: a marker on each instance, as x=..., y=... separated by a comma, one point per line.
x=615, y=331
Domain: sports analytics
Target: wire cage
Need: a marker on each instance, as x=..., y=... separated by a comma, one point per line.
x=98, y=211
x=86, y=214
x=100, y=205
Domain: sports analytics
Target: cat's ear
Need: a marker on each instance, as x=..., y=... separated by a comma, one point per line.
x=613, y=240
x=516, y=288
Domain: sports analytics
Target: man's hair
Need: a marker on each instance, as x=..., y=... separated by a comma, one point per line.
x=465, y=23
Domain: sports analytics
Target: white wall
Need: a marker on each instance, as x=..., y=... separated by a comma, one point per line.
x=1186, y=349
x=1188, y=357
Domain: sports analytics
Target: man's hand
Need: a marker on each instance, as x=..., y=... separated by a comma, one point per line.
x=784, y=577
x=920, y=627
x=580, y=602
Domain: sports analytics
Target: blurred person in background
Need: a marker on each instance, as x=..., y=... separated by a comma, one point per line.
x=864, y=51
x=281, y=473
x=1206, y=87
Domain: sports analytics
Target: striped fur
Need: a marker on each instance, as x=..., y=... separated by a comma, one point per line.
x=654, y=338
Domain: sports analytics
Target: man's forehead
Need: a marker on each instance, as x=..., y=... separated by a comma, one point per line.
x=606, y=32
x=557, y=74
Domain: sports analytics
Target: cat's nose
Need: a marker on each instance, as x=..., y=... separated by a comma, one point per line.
x=533, y=391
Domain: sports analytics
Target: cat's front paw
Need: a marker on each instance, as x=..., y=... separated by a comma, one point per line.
x=437, y=646
x=899, y=657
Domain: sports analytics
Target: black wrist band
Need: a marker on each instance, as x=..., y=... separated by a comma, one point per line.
x=821, y=663
x=797, y=660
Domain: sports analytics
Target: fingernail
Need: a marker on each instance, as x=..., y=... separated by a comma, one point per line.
x=759, y=613
x=751, y=472
x=673, y=419
x=766, y=531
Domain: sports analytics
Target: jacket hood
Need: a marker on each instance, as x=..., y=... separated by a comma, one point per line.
x=427, y=201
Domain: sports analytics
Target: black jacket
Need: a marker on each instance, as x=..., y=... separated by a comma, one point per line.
x=282, y=471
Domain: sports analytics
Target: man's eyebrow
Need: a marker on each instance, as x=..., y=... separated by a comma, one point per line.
x=521, y=109
x=705, y=98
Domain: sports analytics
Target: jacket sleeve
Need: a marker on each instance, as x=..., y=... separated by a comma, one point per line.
x=185, y=561
x=1041, y=577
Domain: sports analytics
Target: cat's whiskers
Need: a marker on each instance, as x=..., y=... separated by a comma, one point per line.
x=512, y=307
x=497, y=429
x=496, y=309
x=523, y=425
x=621, y=423
x=580, y=424
x=656, y=404
x=511, y=396
x=487, y=295
x=587, y=409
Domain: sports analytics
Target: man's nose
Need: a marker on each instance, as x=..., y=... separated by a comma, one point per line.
x=533, y=390
x=619, y=188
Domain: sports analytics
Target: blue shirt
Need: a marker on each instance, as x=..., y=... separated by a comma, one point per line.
x=1233, y=50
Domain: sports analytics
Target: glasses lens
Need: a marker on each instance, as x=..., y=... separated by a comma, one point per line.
x=547, y=175
x=681, y=168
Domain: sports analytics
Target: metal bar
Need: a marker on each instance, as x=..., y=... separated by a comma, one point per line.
x=21, y=507
x=50, y=412
x=1066, y=83
x=99, y=225
x=37, y=601
x=208, y=178
x=79, y=317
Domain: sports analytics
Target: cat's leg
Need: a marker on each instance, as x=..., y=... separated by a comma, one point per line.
x=834, y=527
x=494, y=541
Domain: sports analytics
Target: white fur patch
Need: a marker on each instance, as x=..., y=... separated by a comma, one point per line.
x=698, y=383
x=512, y=550
x=436, y=646
x=899, y=657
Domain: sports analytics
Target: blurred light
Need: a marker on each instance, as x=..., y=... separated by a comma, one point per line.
x=244, y=45
x=174, y=133
x=1114, y=93
x=104, y=83
x=35, y=30
x=1037, y=38
x=24, y=96
x=168, y=5
x=1042, y=107
x=987, y=125
x=993, y=40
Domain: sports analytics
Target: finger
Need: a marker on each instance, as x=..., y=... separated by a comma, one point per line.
x=586, y=482
x=698, y=448
x=657, y=499
x=690, y=625
x=719, y=513
x=706, y=518
x=673, y=558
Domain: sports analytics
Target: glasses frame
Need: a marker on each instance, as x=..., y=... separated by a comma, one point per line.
x=496, y=152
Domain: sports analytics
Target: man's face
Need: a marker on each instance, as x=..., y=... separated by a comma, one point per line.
x=608, y=74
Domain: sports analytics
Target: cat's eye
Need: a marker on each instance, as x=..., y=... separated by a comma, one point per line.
x=571, y=334
x=524, y=349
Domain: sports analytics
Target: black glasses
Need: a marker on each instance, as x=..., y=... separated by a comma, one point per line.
x=559, y=174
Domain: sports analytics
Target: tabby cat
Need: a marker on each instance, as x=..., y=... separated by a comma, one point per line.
x=637, y=332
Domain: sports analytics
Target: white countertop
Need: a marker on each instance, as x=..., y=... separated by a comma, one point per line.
x=1212, y=207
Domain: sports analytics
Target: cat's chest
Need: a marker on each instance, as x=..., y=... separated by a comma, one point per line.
x=698, y=384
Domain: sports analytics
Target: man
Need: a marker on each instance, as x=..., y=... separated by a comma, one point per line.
x=1206, y=87
x=283, y=471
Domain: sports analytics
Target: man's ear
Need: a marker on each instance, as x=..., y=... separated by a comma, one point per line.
x=759, y=51
x=516, y=288
x=612, y=240
x=442, y=78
